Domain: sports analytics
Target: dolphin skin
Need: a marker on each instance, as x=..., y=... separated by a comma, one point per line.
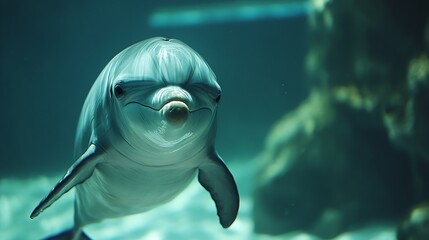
x=147, y=127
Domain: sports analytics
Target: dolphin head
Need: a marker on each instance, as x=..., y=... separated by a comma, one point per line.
x=163, y=94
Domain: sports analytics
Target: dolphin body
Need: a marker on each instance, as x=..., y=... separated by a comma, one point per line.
x=146, y=129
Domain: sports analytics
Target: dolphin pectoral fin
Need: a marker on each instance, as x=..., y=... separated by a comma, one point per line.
x=69, y=234
x=215, y=177
x=77, y=173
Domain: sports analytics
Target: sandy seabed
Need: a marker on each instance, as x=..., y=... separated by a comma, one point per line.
x=192, y=215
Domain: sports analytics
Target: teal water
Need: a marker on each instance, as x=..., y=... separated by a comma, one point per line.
x=269, y=57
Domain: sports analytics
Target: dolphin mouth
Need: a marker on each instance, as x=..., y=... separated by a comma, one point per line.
x=157, y=109
x=175, y=113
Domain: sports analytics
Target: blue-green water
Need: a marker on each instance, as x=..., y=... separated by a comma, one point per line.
x=320, y=122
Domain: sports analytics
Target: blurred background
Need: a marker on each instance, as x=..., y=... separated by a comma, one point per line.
x=323, y=118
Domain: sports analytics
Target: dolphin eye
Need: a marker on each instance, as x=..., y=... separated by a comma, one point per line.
x=119, y=91
x=217, y=99
x=219, y=94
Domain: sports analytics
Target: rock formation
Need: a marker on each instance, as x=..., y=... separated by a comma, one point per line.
x=357, y=150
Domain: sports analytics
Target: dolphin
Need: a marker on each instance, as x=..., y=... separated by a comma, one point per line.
x=146, y=129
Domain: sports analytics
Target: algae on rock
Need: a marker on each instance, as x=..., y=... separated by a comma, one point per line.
x=355, y=151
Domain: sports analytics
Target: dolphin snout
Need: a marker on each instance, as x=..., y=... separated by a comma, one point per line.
x=175, y=112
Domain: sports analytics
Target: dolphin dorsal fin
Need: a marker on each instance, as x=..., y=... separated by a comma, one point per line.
x=215, y=177
x=77, y=173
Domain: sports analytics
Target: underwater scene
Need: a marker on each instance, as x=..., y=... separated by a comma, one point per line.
x=239, y=119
